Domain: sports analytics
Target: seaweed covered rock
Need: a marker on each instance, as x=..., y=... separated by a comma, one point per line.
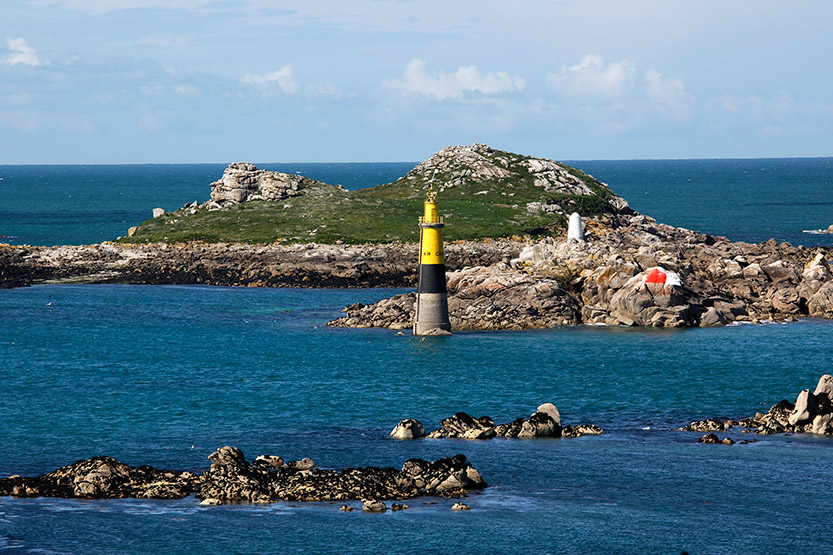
x=232, y=479
x=102, y=478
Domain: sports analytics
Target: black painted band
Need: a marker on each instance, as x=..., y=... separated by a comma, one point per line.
x=432, y=278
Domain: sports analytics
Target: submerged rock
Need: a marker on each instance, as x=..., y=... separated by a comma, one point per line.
x=712, y=438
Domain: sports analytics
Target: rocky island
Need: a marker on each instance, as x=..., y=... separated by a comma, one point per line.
x=511, y=264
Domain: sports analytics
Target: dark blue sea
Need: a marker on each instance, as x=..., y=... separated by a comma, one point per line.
x=163, y=375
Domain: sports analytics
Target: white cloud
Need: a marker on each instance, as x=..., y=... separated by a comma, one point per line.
x=779, y=115
x=21, y=53
x=668, y=93
x=444, y=85
x=591, y=77
x=282, y=77
x=35, y=121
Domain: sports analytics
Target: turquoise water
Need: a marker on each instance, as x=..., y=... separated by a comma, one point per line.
x=163, y=375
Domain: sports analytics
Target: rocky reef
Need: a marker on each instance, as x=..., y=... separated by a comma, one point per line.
x=232, y=479
x=545, y=422
x=810, y=413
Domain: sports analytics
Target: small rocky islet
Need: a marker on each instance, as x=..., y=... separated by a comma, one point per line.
x=536, y=278
x=231, y=479
x=811, y=413
x=545, y=422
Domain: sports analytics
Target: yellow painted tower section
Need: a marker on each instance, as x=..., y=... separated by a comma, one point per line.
x=432, y=237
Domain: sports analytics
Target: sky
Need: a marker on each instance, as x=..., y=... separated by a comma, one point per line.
x=190, y=81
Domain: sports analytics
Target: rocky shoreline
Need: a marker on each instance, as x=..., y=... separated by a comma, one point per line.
x=607, y=279
x=234, y=264
x=493, y=285
x=232, y=479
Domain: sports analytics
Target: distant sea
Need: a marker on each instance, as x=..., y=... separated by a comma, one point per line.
x=164, y=375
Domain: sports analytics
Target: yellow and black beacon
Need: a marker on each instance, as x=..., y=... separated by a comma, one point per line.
x=431, y=315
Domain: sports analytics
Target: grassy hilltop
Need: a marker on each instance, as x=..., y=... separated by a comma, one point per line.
x=483, y=193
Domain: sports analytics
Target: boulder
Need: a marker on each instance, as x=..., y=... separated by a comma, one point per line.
x=540, y=424
x=805, y=408
x=242, y=182
x=709, y=438
x=825, y=386
x=446, y=476
x=463, y=426
x=231, y=478
x=544, y=422
x=408, y=428
x=373, y=506
x=776, y=420
x=811, y=413
x=581, y=430
x=655, y=297
x=304, y=464
x=707, y=425
x=713, y=317
x=269, y=461
x=821, y=302
x=158, y=212
x=823, y=424
x=549, y=409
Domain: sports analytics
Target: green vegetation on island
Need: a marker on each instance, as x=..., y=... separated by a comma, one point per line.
x=483, y=193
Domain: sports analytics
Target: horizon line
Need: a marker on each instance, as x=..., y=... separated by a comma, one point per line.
x=729, y=158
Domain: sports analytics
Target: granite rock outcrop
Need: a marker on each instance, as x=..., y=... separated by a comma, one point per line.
x=242, y=182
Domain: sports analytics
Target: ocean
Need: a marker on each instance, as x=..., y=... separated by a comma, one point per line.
x=164, y=375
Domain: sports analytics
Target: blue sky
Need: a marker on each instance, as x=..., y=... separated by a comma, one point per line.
x=135, y=81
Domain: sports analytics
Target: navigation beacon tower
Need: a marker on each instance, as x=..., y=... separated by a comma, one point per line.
x=432, y=296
